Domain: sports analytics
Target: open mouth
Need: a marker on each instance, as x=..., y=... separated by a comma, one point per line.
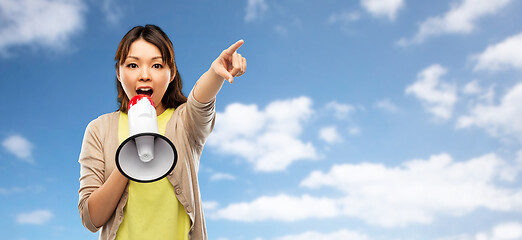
x=145, y=91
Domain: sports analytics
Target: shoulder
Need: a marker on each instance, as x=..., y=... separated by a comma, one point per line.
x=105, y=118
x=104, y=121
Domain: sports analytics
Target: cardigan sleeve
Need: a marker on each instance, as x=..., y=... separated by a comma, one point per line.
x=92, y=167
x=199, y=120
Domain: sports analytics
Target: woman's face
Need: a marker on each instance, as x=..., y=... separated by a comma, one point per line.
x=144, y=72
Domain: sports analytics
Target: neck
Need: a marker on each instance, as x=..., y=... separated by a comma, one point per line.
x=159, y=109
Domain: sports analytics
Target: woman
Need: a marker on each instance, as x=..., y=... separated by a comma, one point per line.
x=170, y=208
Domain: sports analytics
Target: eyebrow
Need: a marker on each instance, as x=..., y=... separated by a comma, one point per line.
x=137, y=58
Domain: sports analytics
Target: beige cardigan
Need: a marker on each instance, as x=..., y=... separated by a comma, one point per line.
x=188, y=129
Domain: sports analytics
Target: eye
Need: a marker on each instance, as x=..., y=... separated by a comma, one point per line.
x=132, y=65
x=157, y=65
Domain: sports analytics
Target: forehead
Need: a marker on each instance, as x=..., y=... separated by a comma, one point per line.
x=143, y=49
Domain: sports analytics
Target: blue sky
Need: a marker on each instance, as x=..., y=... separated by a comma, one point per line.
x=364, y=119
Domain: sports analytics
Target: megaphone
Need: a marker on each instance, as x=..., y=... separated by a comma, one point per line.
x=146, y=156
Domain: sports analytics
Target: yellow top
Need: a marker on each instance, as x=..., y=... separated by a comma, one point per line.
x=152, y=210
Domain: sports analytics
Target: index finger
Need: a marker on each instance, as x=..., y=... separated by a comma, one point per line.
x=230, y=50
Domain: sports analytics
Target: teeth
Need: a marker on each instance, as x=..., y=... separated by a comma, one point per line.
x=145, y=89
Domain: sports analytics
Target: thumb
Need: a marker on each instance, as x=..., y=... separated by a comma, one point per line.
x=229, y=78
x=221, y=71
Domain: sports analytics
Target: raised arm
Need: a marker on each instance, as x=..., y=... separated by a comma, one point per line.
x=228, y=65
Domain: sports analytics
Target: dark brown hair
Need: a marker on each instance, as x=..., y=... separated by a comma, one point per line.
x=153, y=34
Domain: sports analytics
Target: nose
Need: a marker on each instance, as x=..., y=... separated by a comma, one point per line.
x=144, y=75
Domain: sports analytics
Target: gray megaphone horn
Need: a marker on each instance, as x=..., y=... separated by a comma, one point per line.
x=146, y=156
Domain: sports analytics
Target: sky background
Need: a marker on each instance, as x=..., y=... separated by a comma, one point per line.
x=360, y=120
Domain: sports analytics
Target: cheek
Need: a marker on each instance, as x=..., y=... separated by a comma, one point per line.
x=162, y=79
x=127, y=83
x=167, y=79
x=163, y=83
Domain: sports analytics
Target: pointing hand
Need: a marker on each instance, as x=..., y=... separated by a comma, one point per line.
x=230, y=64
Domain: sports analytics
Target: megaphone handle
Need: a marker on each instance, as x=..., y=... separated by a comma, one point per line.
x=145, y=146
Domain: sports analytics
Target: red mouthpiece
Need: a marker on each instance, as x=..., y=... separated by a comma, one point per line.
x=139, y=97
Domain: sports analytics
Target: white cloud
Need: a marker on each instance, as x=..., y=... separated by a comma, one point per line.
x=479, y=94
x=20, y=147
x=488, y=95
x=354, y=131
x=383, y=8
x=113, y=11
x=414, y=192
x=387, y=105
x=13, y=190
x=255, y=9
x=330, y=135
x=461, y=19
x=506, y=54
x=281, y=29
x=503, y=231
x=417, y=190
x=268, y=138
x=281, y=207
x=37, y=217
x=472, y=87
x=519, y=161
x=343, y=17
x=341, y=110
x=339, y=235
x=210, y=205
x=499, y=120
x=221, y=176
x=438, y=97
x=5, y=191
x=45, y=23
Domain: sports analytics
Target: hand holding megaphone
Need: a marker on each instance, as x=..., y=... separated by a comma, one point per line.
x=145, y=156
